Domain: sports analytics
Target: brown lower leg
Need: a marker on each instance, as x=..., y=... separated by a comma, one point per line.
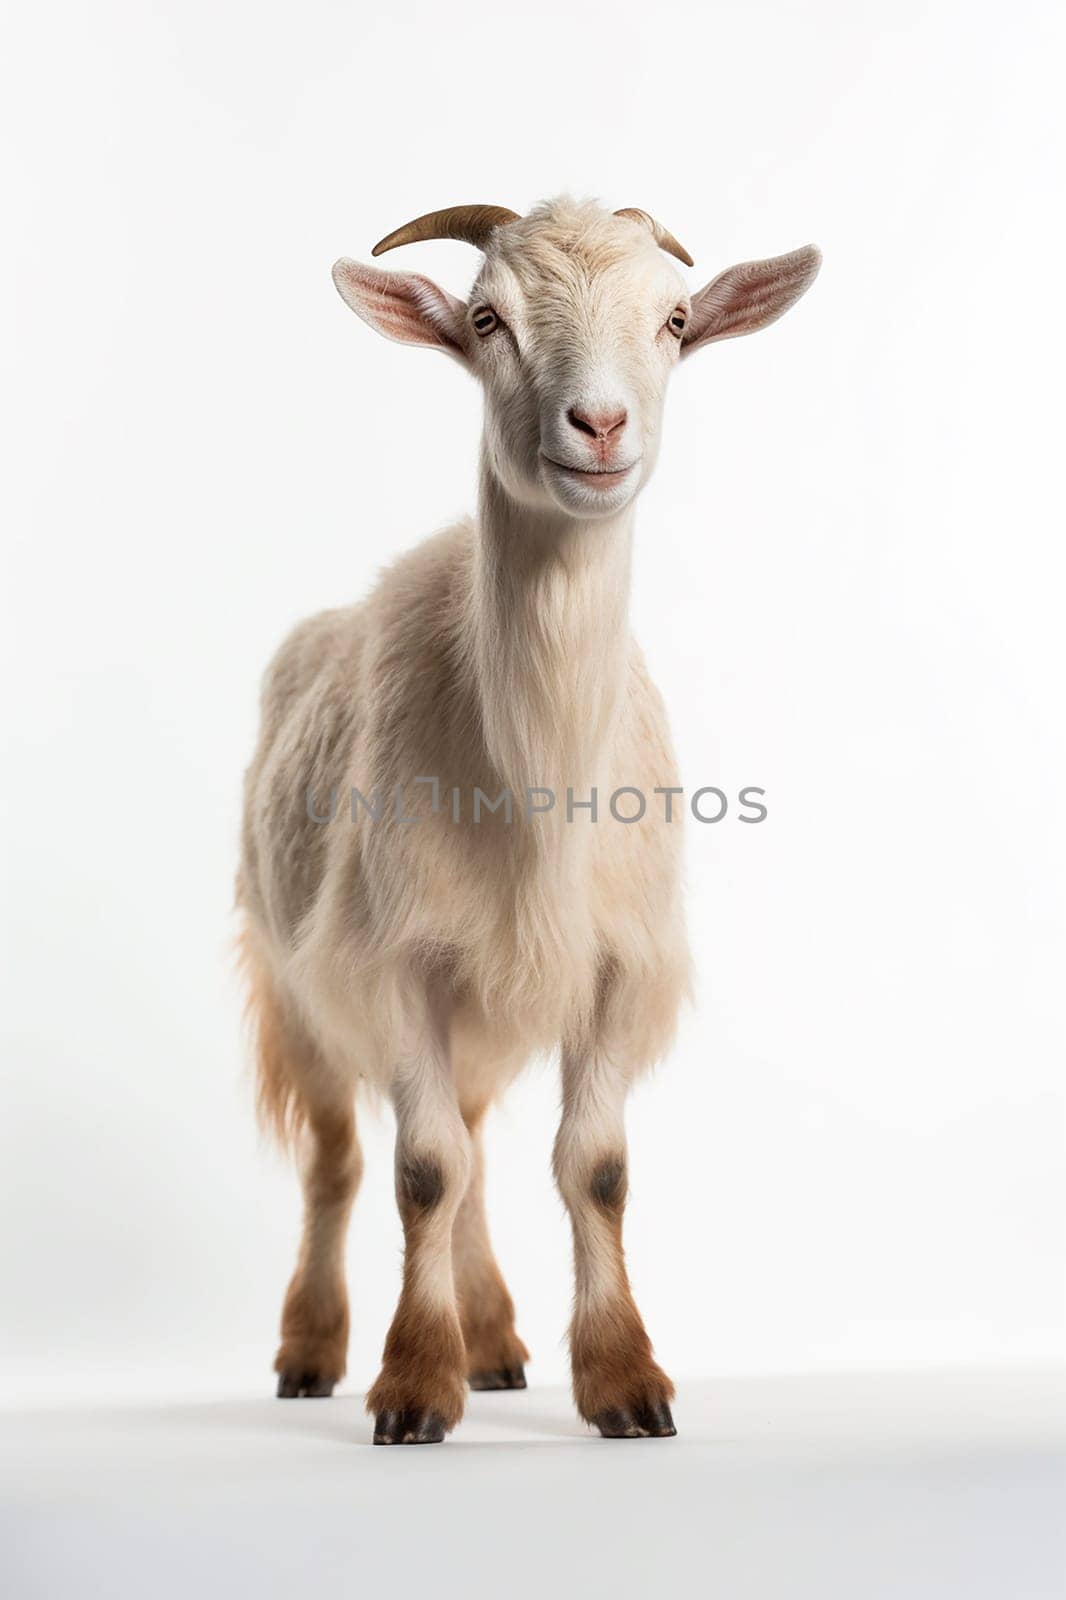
x=420, y=1392
x=494, y=1352
x=618, y=1385
x=314, y=1319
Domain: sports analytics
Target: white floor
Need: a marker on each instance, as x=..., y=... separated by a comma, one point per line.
x=865, y=1487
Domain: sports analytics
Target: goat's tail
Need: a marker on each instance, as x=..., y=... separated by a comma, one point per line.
x=279, y=1106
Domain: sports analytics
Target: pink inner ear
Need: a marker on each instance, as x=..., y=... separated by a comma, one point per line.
x=408, y=309
x=402, y=305
x=750, y=296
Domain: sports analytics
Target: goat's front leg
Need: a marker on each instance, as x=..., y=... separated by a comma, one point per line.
x=618, y=1386
x=420, y=1392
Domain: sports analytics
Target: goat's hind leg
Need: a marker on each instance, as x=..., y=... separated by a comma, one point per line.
x=314, y=1318
x=301, y=1101
x=495, y=1355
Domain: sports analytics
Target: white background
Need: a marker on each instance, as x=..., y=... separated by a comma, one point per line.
x=848, y=585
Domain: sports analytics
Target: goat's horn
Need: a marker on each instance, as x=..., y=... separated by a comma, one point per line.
x=473, y=224
x=664, y=240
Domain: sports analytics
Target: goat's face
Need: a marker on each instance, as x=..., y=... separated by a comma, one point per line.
x=574, y=325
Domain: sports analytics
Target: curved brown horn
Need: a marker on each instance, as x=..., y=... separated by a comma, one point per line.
x=664, y=240
x=473, y=224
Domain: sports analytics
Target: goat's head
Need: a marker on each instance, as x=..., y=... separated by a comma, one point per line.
x=574, y=324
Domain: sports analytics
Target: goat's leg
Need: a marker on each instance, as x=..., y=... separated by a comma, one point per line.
x=314, y=1319
x=421, y=1389
x=618, y=1386
x=494, y=1352
x=297, y=1089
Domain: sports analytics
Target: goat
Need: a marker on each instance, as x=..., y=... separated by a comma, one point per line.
x=428, y=951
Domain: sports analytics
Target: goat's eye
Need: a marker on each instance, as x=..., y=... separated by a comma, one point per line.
x=676, y=322
x=485, y=321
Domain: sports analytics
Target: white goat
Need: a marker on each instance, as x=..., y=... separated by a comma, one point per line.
x=432, y=957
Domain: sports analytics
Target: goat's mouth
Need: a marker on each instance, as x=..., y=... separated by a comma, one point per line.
x=594, y=477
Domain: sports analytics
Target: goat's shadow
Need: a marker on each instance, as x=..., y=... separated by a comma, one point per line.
x=341, y=1419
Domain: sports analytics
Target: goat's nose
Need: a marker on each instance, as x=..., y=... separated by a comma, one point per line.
x=597, y=424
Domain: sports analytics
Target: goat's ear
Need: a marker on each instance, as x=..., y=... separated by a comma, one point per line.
x=746, y=298
x=403, y=306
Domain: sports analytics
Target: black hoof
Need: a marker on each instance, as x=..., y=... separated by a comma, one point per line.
x=303, y=1386
x=408, y=1427
x=499, y=1378
x=650, y=1421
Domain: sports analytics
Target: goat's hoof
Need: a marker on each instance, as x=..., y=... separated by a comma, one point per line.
x=645, y=1420
x=297, y=1385
x=408, y=1427
x=499, y=1378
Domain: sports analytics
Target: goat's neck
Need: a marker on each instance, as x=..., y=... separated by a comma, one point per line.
x=550, y=641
